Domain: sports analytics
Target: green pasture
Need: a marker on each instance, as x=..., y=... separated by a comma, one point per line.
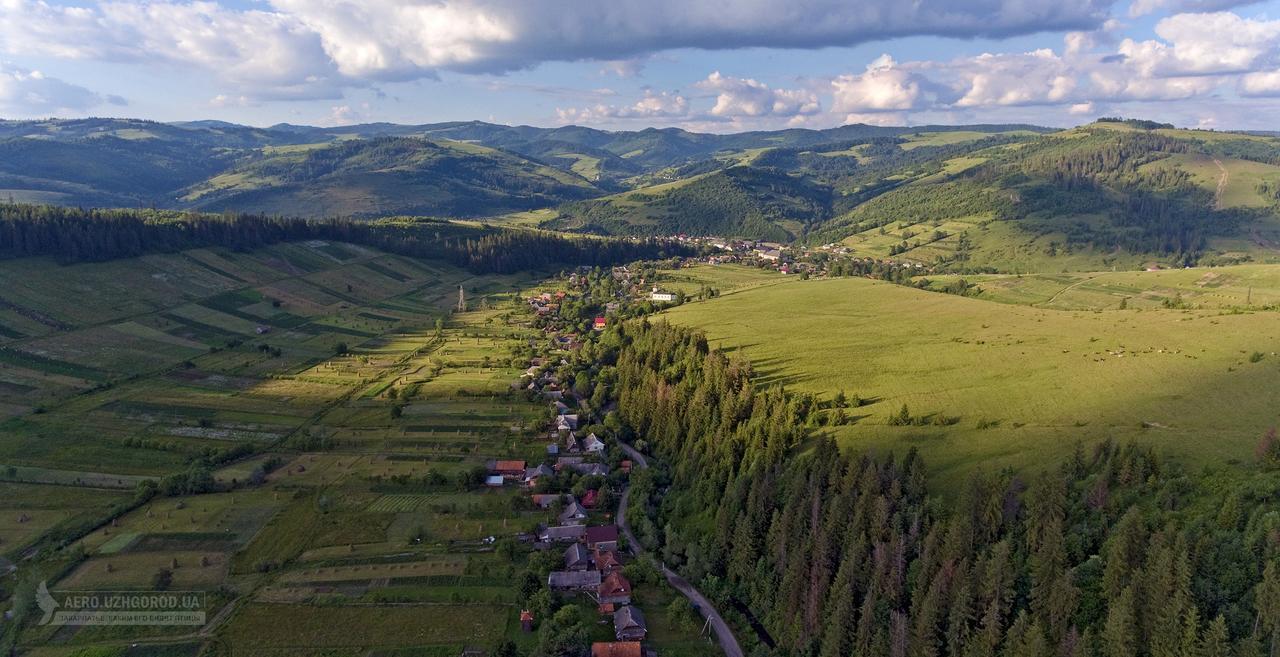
x=1023, y=385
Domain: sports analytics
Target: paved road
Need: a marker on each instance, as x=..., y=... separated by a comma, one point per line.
x=724, y=635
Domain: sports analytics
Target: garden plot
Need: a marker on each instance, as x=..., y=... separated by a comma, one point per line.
x=195, y=570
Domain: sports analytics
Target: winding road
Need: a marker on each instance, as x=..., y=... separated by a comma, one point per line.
x=724, y=635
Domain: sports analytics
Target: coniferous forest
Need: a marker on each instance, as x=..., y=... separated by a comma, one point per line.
x=72, y=235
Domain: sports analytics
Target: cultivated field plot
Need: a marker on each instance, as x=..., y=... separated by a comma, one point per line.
x=28, y=511
x=725, y=278
x=278, y=629
x=327, y=540
x=1021, y=383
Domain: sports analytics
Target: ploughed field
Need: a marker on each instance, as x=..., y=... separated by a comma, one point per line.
x=989, y=385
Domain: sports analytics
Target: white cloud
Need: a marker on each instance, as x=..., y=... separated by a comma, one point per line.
x=29, y=94
x=1016, y=79
x=1200, y=44
x=882, y=87
x=663, y=105
x=738, y=97
x=264, y=54
x=1261, y=83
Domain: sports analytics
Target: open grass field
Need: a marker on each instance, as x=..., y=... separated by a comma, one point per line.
x=1236, y=287
x=1023, y=385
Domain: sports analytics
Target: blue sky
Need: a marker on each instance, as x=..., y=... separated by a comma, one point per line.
x=628, y=64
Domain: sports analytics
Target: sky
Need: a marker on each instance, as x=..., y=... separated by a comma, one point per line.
x=705, y=65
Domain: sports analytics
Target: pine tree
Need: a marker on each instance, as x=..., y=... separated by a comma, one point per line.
x=1215, y=642
x=1120, y=632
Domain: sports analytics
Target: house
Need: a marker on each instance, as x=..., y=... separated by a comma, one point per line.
x=562, y=423
x=593, y=445
x=553, y=449
x=600, y=323
x=545, y=501
x=526, y=621
x=614, y=588
x=573, y=514
x=589, y=499
x=583, y=580
x=494, y=481
x=590, y=469
x=572, y=420
x=606, y=561
x=606, y=609
x=629, y=625
x=572, y=444
x=509, y=469
x=602, y=537
x=562, y=534
x=662, y=296
x=532, y=475
x=576, y=557
x=570, y=462
x=262, y=330
x=625, y=466
x=561, y=407
x=770, y=254
x=616, y=649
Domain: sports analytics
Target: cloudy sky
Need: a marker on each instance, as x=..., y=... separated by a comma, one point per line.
x=712, y=65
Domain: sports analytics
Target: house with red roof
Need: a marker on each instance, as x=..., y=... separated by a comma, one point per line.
x=615, y=588
x=616, y=649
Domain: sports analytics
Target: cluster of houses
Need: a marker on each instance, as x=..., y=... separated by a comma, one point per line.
x=592, y=565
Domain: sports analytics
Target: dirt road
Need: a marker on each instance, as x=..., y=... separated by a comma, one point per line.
x=724, y=635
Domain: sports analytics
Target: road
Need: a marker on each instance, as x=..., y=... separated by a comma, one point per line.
x=728, y=643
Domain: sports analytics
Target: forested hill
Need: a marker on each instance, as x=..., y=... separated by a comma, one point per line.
x=72, y=235
x=1115, y=553
x=1113, y=193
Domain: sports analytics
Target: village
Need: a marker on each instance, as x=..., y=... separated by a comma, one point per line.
x=584, y=473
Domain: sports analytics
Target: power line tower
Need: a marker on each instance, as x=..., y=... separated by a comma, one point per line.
x=462, y=300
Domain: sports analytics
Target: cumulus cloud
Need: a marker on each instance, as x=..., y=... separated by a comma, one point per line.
x=739, y=97
x=660, y=105
x=312, y=48
x=884, y=86
x=28, y=93
x=1201, y=44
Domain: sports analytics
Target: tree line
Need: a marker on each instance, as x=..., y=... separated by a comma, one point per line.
x=72, y=235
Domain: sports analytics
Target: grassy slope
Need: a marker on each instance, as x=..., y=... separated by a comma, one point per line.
x=1050, y=378
x=1240, y=286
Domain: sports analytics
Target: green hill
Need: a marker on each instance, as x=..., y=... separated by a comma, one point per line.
x=749, y=201
x=390, y=175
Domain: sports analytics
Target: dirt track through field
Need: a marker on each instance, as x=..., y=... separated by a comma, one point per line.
x=1222, y=184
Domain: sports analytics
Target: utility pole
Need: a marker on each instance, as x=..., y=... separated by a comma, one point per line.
x=462, y=300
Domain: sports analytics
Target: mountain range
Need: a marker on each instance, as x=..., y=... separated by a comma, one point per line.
x=982, y=196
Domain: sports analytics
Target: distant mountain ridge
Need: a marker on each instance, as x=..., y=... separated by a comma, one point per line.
x=1118, y=191
x=210, y=164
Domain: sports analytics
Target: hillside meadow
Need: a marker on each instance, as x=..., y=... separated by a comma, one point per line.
x=997, y=385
